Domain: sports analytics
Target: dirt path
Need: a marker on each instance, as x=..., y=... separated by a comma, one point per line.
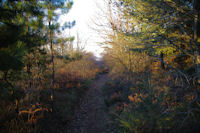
x=91, y=116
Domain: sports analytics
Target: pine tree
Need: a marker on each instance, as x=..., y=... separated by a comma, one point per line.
x=53, y=29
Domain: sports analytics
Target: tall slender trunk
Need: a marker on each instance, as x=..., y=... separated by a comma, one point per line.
x=52, y=61
x=130, y=64
x=52, y=69
x=196, y=11
x=28, y=66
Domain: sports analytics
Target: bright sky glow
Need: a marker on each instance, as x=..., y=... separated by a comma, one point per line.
x=82, y=11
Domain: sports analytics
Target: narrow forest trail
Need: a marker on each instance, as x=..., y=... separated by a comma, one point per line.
x=90, y=116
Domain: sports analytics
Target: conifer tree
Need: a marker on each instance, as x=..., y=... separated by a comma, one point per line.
x=53, y=28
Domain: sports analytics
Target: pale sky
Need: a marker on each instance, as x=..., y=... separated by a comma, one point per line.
x=82, y=11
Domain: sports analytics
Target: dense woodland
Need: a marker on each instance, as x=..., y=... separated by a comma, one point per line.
x=151, y=59
x=39, y=68
x=152, y=50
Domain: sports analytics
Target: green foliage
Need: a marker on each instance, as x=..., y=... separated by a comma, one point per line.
x=25, y=63
x=160, y=38
x=14, y=63
x=19, y=32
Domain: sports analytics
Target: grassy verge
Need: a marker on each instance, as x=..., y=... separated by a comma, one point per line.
x=66, y=99
x=148, y=105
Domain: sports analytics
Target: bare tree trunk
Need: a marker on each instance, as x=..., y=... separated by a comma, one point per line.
x=196, y=10
x=52, y=76
x=162, y=59
x=52, y=61
x=28, y=67
x=130, y=64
